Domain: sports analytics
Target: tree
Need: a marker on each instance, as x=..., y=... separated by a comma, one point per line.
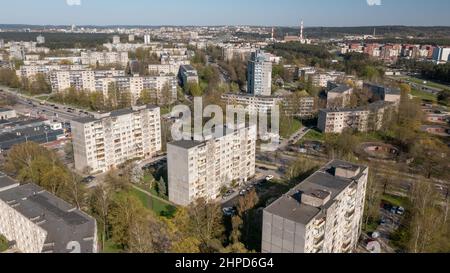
x=426, y=221
x=101, y=201
x=193, y=89
x=162, y=189
x=129, y=226
x=116, y=182
x=373, y=200
x=341, y=146
x=431, y=156
x=145, y=97
x=205, y=222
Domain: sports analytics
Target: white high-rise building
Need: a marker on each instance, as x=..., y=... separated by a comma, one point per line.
x=110, y=139
x=259, y=74
x=147, y=39
x=40, y=39
x=200, y=169
x=116, y=39
x=322, y=214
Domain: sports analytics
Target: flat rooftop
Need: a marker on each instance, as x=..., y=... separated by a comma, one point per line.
x=186, y=144
x=323, y=181
x=116, y=113
x=63, y=223
x=340, y=89
x=6, y=182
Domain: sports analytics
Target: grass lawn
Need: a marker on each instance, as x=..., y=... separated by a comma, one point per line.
x=313, y=135
x=296, y=125
x=395, y=200
x=371, y=227
x=3, y=244
x=423, y=95
x=428, y=83
x=159, y=207
x=165, y=110
x=110, y=247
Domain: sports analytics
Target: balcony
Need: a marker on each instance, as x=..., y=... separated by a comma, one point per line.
x=319, y=242
x=349, y=215
x=319, y=223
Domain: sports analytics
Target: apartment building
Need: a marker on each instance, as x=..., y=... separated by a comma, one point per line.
x=164, y=69
x=257, y=104
x=36, y=221
x=384, y=93
x=362, y=119
x=135, y=85
x=259, y=74
x=200, y=169
x=61, y=80
x=30, y=71
x=240, y=51
x=441, y=55
x=107, y=140
x=322, y=214
x=322, y=79
x=94, y=58
x=338, y=95
x=188, y=74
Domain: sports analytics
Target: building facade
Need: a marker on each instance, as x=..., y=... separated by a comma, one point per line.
x=108, y=140
x=304, y=108
x=188, y=74
x=200, y=169
x=39, y=222
x=94, y=58
x=323, y=214
x=259, y=74
x=361, y=119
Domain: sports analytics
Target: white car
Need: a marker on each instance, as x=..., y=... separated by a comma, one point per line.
x=269, y=177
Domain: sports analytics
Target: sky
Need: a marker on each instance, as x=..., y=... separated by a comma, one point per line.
x=227, y=12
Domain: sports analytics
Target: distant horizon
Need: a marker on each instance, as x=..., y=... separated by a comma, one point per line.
x=265, y=26
x=279, y=13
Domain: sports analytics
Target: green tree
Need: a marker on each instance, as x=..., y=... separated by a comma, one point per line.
x=162, y=189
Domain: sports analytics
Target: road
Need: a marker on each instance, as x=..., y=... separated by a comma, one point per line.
x=52, y=111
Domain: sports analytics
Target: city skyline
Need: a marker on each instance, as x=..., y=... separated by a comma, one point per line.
x=251, y=12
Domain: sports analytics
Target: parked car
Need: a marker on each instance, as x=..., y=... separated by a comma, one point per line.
x=88, y=179
x=394, y=210
x=229, y=211
x=400, y=211
x=269, y=177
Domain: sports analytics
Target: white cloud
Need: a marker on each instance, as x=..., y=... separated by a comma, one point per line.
x=73, y=2
x=374, y=2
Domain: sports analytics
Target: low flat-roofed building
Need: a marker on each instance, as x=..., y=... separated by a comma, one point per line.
x=39, y=134
x=39, y=222
x=6, y=113
x=322, y=214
